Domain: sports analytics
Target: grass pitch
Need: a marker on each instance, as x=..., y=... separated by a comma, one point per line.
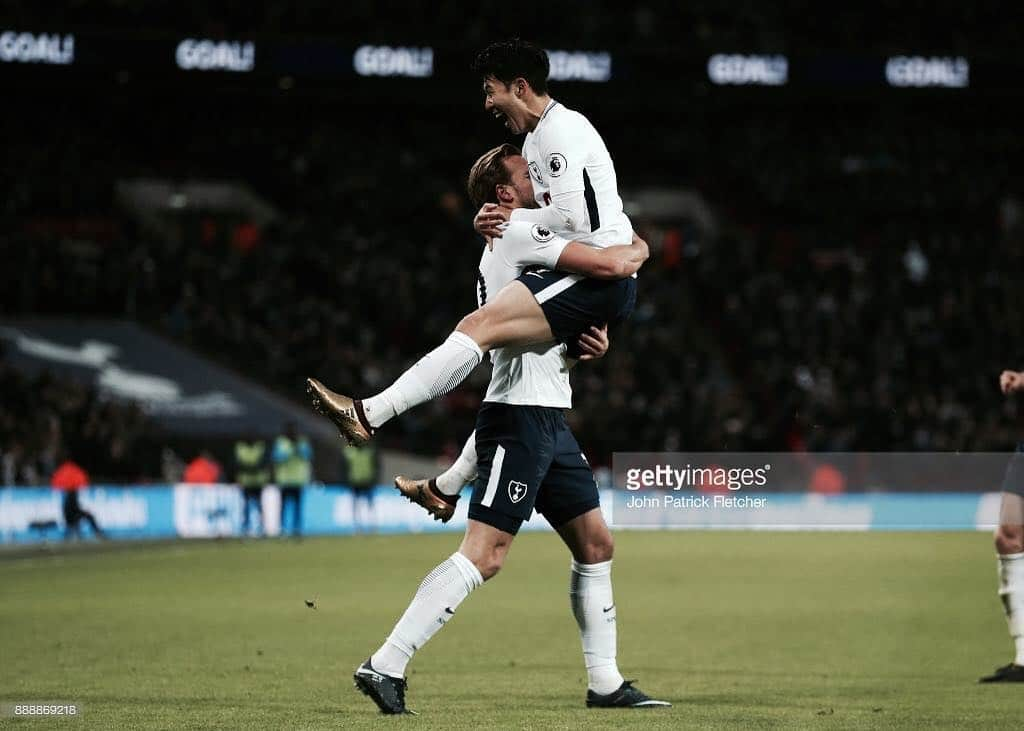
x=759, y=630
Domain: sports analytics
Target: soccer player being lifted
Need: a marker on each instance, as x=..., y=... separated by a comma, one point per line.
x=523, y=457
x=1010, y=547
x=576, y=194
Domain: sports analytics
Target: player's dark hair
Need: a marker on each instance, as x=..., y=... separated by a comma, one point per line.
x=488, y=173
x=509, y=60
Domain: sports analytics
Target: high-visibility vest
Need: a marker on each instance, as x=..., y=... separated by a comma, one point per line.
x=290, y=466
x=250, y=459
x=361, y=464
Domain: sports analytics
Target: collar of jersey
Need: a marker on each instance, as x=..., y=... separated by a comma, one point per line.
x=551, y=105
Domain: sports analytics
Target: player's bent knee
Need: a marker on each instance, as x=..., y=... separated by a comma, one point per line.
x=601, y=550
x=489, y=565
x=1010, y=539
x=476, y=325
x=596, y=549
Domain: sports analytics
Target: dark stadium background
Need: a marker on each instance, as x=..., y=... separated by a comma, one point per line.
x=858, y=290
x=835, y=267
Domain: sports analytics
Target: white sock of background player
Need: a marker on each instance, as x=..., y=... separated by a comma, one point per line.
x=462, y=472
x=440, y=594
x=590, y=594
x=1011, y=591
x=432, y=376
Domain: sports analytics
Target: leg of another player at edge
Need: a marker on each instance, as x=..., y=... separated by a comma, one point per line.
x=591, y=598
x=478, y=559
x=1009, y=542
x=513, y=317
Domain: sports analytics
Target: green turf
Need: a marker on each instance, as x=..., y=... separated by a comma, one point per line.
x=737, y=629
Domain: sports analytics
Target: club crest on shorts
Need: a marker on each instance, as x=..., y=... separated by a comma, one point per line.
x=516, y=490
x=556, y=164
x=542, y=233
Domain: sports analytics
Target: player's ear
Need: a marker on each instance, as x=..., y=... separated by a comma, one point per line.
x=503, y=194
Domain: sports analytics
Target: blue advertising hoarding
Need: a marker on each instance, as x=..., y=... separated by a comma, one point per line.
x=34, y=514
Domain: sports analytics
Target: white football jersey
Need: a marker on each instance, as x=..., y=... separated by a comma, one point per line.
x=536, y=375
x=574, y=180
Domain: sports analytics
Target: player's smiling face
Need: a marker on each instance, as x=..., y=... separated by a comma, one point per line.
x=501, y=101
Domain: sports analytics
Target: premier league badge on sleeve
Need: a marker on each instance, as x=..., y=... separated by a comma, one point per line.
x=556, y=164
x=542, y=233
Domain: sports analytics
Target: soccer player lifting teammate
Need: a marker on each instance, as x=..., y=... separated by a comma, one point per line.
x=523, y=457
x=523, y=454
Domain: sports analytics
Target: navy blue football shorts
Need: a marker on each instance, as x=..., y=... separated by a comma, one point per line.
x=572, y=303
x=528, y=459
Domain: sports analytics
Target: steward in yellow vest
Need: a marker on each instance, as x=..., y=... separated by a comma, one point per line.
x=252, y=473
x=293, y=470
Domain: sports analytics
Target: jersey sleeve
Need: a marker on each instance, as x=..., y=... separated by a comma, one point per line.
x=563, y=155
x=523, y=244
x=550, y=217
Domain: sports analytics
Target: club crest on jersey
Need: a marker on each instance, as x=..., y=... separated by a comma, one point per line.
x=556, y=164
x=516, y=490
x=535, y=172
x=542, y=233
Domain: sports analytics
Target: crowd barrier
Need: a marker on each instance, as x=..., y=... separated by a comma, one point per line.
x=34, y=514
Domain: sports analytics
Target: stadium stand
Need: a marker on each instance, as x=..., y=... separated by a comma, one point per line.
x=849, y=282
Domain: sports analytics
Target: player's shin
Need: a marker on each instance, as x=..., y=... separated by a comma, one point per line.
x=436, y=600
x=590, y=593
x=433, y=375
x=462, y=472
x=1011, y=591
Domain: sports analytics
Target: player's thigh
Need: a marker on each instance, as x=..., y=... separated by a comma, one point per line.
x=513, y=317
x=514, y=446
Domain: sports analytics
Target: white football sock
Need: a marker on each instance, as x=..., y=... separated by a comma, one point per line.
x=439, y=595
x=590, y=593
x=1011, y=591
x=433, y=375
x=460, y=474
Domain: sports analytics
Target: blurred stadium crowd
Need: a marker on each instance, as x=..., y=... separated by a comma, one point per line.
x=44, y=419
x=857, y=291
x=885, y=26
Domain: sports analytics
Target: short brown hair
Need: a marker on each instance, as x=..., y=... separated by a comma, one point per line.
x=489, y=172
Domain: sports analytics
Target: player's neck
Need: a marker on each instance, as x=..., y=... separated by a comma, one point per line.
x=535, y=106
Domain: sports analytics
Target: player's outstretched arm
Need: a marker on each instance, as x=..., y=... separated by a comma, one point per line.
x=613, y=262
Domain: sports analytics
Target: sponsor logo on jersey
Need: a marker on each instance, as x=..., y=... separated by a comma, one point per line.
x=542, y=233
x=516, y=490
x=535, y=172
x=556, y=164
